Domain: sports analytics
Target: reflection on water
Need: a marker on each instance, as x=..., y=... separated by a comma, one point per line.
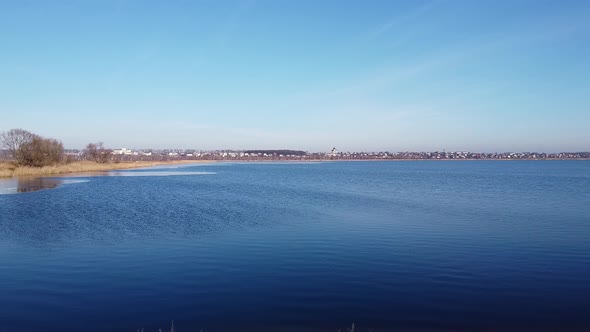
x=30, y=184
x=23, y=185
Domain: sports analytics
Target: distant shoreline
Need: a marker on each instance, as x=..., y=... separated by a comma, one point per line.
x=8, y=170
x=466, y=159
x=393, y=160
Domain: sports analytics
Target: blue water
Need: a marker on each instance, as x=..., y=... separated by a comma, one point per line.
x=392, y=246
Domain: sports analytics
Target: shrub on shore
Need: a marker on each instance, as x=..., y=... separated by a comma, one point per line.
x=98, y=153
x=28, y=149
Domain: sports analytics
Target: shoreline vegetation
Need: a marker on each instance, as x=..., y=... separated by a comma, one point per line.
x=28, y=154
x=10, y=169
x=33, y=155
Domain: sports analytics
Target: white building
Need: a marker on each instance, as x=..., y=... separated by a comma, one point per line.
x=123, y=151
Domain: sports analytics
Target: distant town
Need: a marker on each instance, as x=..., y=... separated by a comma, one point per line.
x=124, y=154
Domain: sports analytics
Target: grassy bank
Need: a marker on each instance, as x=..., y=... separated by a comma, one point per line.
x=8, y=169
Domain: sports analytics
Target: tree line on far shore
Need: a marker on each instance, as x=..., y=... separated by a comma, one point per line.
x=29, y=149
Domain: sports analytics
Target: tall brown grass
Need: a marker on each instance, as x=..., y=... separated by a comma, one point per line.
x=8, y=169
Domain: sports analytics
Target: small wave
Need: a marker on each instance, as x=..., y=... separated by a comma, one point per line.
x=23, y=185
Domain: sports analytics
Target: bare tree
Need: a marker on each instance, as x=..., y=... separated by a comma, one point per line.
x=91, y=151
x=41, y=152
x=97, y=152
x=30, y=149
x=14, y=140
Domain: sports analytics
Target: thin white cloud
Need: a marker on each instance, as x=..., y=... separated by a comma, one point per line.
x=402, y=20
x=543, y=30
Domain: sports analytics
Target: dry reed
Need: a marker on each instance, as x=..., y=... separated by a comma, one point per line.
x=8, y=169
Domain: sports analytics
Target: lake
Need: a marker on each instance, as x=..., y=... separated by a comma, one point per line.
x=390, y=246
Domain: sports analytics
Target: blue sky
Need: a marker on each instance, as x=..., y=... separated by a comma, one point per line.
x=358, y=75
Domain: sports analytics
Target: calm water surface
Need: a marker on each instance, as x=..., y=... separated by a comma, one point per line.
x=397, y=246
